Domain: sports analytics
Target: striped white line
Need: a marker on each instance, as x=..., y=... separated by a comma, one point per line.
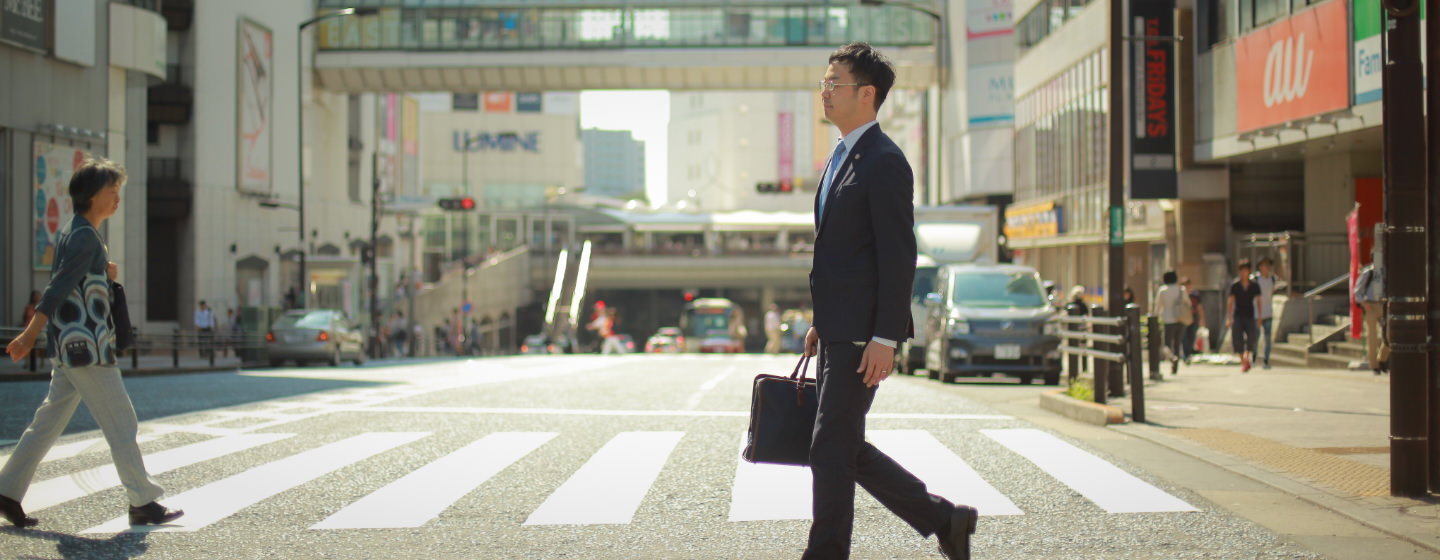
x=652, y=413
x=74, y=448
x=1111, y=488
x=60, y=490
x=945, y=473
x=208, y=504
x=609, y=487
x=420, y=496
x=764, y=492
x=694, y=399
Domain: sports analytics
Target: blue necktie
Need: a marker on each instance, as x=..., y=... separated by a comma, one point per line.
x=835, y=160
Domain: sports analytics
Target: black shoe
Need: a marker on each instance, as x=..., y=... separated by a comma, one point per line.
x=16, y=514
x=955, y=542
x=153, y=514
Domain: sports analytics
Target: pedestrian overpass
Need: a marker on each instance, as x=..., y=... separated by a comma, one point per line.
x=564, y=45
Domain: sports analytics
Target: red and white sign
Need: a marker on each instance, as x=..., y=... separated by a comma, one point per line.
x=1295, y=68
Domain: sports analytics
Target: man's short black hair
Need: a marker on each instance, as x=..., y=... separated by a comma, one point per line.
x=1244, y=263
x=1266, y=260
x=868, y=67
x=1170, y=277
x=94, y=174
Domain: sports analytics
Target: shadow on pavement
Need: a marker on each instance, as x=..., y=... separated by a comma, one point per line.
x=161, y=396
x=120, y=545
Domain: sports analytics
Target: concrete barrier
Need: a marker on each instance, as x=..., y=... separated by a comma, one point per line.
x=1091, y=413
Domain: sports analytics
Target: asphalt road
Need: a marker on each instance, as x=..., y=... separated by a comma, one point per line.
x=574, y=457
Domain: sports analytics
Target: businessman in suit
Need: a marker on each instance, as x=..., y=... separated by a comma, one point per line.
x=860, y=284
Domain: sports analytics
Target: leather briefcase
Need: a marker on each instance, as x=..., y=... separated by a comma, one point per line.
x=782, y=417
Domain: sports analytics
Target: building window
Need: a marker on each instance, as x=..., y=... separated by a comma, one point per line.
x=1060, y=142
x=1045, y=18
x=152, y=133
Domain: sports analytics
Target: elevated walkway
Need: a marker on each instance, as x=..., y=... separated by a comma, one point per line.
x=552, y=45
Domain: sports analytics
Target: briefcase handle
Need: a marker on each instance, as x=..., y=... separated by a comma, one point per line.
x=798, y=377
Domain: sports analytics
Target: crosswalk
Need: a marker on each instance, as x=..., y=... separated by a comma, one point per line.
x=608, y=487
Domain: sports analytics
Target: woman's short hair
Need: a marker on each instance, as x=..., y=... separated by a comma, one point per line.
x=93, y=175
x=1170, y=277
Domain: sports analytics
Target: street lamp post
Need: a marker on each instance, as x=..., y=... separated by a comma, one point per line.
x=940, y=47
x=300, y=129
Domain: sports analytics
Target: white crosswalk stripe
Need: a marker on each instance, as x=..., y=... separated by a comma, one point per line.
x=609, y=488
x=1111, y=488
x=60, y=490
x=421, y=495
x=945, y=473
x=75, y=448
x=211, y=503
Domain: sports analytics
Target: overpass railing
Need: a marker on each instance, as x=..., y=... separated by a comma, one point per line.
x=539, y=25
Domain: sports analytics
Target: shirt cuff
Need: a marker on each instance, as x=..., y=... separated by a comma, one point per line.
x=892, y=344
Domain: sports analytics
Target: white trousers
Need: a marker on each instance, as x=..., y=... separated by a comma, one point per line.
x=104, y=395
x=612, y=344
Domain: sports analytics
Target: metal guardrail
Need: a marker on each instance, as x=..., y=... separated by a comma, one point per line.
x=205, y=345
x=1114, y=345
x=1313, y=295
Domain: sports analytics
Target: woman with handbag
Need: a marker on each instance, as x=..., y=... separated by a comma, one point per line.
x=81, y=338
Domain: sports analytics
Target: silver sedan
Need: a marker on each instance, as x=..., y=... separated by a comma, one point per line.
x=314, y=335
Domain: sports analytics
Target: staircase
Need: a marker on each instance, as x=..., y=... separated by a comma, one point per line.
x=1332, y=347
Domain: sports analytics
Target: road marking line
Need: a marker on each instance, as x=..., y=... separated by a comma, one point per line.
x=765, y=492
x=610, y=486
x=694, y=413
x=60, y=490
x=1110, y=487
x=945, y=473
x=75, y=448
x=694, y=399
x=218, y=500
x=423, y=494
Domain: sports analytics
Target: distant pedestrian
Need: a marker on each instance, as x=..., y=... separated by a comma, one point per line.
x=82, y=340
x=205, y=329
x=1267, y=280
x=1170, y=303
x=772, y=330
x=1130, y=296
x=1197, y=314
x=30, y=308
x=605, y=327
x=399, y=332
x=1242, y=308
x=1077, y=307
x=1369, y=292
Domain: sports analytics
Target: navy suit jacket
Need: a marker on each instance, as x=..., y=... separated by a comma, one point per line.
x=864, y=262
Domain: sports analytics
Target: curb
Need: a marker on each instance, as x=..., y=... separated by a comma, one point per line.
x=1385, y=519
x=1087, y=412
x=44, y=375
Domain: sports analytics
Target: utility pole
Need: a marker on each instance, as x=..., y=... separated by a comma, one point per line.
x=1115, y=268
x=1432, y=104
x=374, y=255
x=1405, y=246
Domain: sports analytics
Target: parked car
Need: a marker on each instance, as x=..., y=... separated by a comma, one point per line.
x=314, y=335
x=665, y=340
x=991, y=319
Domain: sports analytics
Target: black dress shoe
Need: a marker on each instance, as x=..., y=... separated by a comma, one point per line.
x=153, y=514
x=16, y=514
x=955, y=542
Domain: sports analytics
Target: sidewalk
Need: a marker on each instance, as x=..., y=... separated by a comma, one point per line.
x=148, y=365
x=1321, y=435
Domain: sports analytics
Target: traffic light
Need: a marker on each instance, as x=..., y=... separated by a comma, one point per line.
x=461, y=204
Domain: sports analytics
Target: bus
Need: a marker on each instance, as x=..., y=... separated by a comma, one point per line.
x=713, y=325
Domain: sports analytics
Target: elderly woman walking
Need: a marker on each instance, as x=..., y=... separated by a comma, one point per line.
x=81, y=339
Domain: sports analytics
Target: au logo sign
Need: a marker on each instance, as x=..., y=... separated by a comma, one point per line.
x=1292, y=69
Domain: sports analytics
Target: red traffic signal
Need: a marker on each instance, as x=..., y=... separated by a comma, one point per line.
x=785, y=186
x=461, y=204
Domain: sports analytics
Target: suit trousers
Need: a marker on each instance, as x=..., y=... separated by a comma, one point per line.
x=840, y=457
x=104, y=395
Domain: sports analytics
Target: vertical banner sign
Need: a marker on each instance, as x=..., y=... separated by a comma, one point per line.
x=1152, y=100
x=255, y=86
x=387, y=161
x=410, y=145
x=785, y=146
x=54, y=164
x=1352, y=235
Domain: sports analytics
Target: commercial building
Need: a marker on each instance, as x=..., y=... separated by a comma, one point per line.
x=614, y=164
x=75, y=85
x=733, y=150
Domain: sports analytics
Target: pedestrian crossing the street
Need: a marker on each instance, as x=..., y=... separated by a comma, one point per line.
x=613, y=484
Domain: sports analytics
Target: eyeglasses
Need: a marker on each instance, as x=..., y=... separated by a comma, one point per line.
x=830, y=86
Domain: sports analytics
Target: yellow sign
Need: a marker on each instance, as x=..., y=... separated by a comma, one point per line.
x=1033, y=220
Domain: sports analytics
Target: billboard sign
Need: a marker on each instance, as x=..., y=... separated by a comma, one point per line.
x=1294, y=68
